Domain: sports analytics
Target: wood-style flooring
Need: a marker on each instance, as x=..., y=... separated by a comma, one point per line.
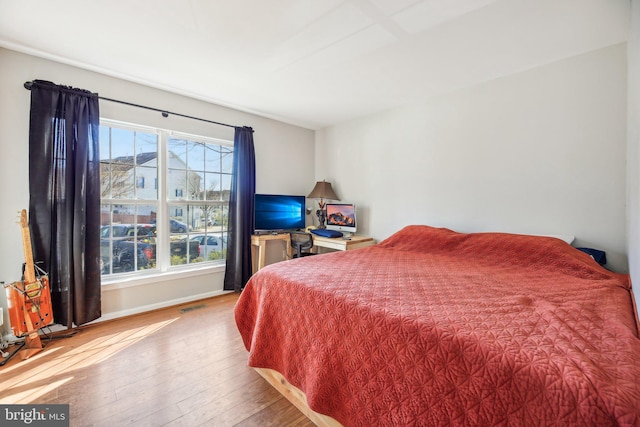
x=179, y=366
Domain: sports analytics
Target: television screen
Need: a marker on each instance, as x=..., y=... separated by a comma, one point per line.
x=274, y=212
x=341, y=217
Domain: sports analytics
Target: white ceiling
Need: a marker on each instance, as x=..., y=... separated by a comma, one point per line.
x=310, y=62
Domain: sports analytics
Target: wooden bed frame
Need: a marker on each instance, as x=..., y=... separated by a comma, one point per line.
x=296, y=396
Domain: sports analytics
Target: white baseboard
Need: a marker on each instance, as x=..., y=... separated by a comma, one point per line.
x=9, y=337
x=156, y=306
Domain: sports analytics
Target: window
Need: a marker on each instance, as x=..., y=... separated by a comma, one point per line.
x=182, y=219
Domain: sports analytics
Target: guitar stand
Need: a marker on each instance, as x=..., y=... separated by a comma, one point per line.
x=33, y=345
x=68, y=333
x=6, y=359
x=30, y=346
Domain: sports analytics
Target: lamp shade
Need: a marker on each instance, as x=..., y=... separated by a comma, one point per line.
x=323, y=190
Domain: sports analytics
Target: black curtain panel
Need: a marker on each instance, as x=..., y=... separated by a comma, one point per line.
x=243, y=188
x=64, y=197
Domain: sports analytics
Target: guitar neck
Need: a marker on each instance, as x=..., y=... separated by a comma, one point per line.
x=29, y=269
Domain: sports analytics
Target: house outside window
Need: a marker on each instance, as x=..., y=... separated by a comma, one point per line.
x=171, y=224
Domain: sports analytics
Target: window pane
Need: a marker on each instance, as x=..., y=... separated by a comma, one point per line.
x=105, y=161
x=226, y=154
x=195, y=155
x=213, y=246
x=147, y=149
x=146, y=236
x=105, y=143
x=120, y=171
x=105, y=180
x=122, y=146
x=177, y=153
x=214, y=218
x=212, y=186
x=105, y=242
x=122, y=181
x=127, y=239
x=176, y=184
x=178, y=228
x=146, y=178
x=207, y=217
x=212, y=158
x=193, y=220
x=225, y=187
x=195, y=185
x=224, y=217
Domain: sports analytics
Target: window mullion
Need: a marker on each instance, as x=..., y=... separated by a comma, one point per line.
x=162, y=220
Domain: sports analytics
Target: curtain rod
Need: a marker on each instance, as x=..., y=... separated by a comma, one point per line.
x=165, y=113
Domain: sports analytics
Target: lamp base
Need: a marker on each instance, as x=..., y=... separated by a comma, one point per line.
x=322, y=217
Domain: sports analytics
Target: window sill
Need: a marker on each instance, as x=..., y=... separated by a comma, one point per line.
x=128, y=281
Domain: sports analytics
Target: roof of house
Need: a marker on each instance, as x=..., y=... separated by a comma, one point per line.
x=140, y=159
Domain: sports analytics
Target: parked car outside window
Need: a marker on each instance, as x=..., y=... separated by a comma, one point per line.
x=211, y=246
x=177, y=226
x=124, y=247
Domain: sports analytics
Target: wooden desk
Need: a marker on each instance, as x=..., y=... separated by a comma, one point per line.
x=341, y=244
x=259, y=243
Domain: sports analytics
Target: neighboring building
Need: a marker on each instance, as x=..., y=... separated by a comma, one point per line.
x=137, y=178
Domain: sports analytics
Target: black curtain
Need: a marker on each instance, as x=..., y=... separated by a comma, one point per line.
x=243, y=188
x=64, y=197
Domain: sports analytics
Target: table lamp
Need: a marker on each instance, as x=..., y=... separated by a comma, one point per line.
x=322, y=191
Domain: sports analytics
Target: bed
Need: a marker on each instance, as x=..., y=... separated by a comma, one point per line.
x=432, y=327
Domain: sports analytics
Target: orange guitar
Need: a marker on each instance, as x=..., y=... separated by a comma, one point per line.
x=29, y=300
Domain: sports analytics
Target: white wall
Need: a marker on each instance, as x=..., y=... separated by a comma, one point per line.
x=633, y=147
x=276, y=144
x=542, y=151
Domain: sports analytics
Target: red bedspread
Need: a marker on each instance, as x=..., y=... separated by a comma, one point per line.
x=432, y=327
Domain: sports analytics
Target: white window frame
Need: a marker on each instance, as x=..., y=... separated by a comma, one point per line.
x=164, y=201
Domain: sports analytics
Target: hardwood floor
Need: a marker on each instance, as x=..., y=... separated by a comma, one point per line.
x=179, y=366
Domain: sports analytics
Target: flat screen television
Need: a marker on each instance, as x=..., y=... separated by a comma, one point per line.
x=278, y=212
x=341, y=217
